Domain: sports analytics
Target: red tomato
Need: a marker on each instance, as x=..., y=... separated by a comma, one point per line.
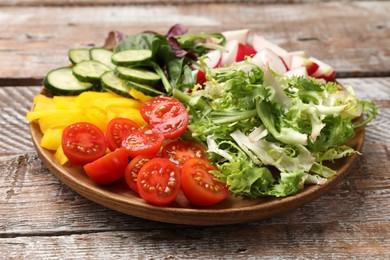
x=117, y=130
x=143, y=141
x=133, y=169
x=166, y=114
x=148, y=106
x=83, y=143
x=158, y=181
x=198, y=184
x=108, y=168
x=180, y=151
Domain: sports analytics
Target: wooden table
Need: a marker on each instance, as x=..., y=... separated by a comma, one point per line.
x=41, y=218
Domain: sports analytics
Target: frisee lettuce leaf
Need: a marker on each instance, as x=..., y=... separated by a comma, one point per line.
x=268, y=134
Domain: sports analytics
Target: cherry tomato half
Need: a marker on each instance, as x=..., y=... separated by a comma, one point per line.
x=166, y=114
x=198, y=184
x=83, y=143
x=108, y=168
x=133, y=169
x=117, y=130
x=143, y=141
x=181, y=151
x=148, y=106
x=158, y=181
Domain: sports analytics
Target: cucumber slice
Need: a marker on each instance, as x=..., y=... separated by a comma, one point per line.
x=112, y=83
x=89, y=71
x=61, y=81
x=138, y=75
x=131, y=57
x=147, y=90
x=102, y=55
x=77, y=55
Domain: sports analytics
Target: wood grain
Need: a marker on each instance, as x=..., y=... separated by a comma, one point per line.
x=144, y=2
x=40, y=217
x=354, y=37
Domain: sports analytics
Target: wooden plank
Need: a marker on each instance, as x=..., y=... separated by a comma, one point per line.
x=143, y=2
x=335, y=240
x=353, y=37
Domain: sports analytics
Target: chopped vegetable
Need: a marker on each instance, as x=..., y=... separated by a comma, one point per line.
x=143, y=142
x=108, y=168
x=83, y=143
x=133, y=168
x=181, y=151
x=118, y=129
x=198, y=183
x=159, y=181
x=167, y=114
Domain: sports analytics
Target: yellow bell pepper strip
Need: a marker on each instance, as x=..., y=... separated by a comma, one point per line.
x=52, y=138
x=129, y=113
x=139, y=95
x=61, y=119
x=97, y=117
x=61, y=157
x=64, y=102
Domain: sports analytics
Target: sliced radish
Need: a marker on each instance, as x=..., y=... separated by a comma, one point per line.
x=288, y=57
x=240, y=35
x=229, y=57
x=200, y=77
x=243, y=51
x=300, y=72
x=213, y=59
x=324, y=71
x=260, y=43
x=267, y=58
x=298, y=61
x=257, y=59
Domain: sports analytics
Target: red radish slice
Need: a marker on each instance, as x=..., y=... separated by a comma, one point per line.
x=229, y=57
x=260, y=43
x=300, y=72
x=324, y=70
x=243, y=51
x=200, y=77
x=298, y=61
x=213, y=59
x=269, y=59
x=288, y=57
x=257, y=59
x=240, y=35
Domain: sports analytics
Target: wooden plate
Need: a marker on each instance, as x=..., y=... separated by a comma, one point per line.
x=233, y=210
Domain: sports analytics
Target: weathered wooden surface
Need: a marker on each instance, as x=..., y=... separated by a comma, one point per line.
x=353, y=37
x=41, y=218
x=143, y=2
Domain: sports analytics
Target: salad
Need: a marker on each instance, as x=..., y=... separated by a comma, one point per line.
x=206, y=114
